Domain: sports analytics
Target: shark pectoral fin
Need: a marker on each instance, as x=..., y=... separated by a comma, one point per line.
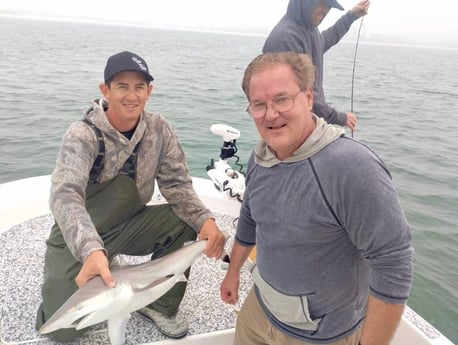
x=117, y=328
x=95, y=313
x=84, y=301
x=65, y=318
x=49, y=327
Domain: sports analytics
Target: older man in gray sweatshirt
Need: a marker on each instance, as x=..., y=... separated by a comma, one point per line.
x=334, y=252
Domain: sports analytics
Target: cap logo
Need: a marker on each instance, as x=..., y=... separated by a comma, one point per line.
x=139, y=63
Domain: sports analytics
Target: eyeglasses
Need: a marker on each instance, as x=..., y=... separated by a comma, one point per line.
x=280, y=104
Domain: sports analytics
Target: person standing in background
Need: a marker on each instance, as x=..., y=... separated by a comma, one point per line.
x=298, y=31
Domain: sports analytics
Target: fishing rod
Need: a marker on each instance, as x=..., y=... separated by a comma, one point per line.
x=354, y=68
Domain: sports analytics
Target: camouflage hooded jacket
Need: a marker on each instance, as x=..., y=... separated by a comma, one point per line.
x=160, y=157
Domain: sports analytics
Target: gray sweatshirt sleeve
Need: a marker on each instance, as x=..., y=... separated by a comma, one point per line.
x=330, y=37
x=334, y=34
x=367, y=205
x=246, y=227
x=324, y=110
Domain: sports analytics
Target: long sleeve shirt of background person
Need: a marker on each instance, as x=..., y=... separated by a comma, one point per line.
x=160, y=157
x=294, y=33
x=328, y=226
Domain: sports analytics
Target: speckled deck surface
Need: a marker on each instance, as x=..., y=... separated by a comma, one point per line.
x=21, y=273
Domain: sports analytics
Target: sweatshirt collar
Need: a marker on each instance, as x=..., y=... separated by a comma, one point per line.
x=322, y=136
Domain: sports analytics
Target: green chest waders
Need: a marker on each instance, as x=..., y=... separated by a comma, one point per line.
x=126, y=226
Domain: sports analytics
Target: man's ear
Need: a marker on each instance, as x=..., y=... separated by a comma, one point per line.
x=105, y=90
x=309, y=95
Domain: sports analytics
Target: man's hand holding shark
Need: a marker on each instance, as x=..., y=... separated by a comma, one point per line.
x=215, y=239
x=97, y=263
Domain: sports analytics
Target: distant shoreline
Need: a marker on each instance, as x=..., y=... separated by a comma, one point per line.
x=78, y=20
x=137, y=25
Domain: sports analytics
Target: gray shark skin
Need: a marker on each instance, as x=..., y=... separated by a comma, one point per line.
x=136, y=287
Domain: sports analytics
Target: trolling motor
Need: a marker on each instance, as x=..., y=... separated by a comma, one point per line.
x=226, y=179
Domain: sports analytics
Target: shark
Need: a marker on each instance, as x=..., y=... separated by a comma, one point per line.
x=136, y=287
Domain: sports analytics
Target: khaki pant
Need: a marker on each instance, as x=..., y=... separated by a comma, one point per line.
x=132, y=230
x=253, y=328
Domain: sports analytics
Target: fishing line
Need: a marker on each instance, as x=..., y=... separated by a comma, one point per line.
x=354, y=67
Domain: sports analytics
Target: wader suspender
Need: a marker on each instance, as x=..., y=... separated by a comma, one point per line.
x=130, y=165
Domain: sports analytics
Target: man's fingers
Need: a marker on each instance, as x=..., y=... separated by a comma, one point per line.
x=79, y=280
x=215, y=244
x=95, y=264
x=229, y=297
x=214, y=249
x=107, y=278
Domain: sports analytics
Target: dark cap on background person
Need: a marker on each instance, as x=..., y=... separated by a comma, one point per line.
x=126, y=61
x=333, y=3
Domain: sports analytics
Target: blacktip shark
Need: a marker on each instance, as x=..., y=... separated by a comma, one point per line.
x=136, y=287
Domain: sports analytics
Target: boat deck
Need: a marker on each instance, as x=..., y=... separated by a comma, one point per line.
x=21, y=273
x=25, y=223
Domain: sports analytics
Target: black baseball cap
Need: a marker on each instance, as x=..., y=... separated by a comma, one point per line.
x=126, y=61
x=333, y=3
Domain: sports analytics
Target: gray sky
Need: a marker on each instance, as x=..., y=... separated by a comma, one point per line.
x=424, y=22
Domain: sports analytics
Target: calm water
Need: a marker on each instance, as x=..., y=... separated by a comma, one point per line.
x=405, y=98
